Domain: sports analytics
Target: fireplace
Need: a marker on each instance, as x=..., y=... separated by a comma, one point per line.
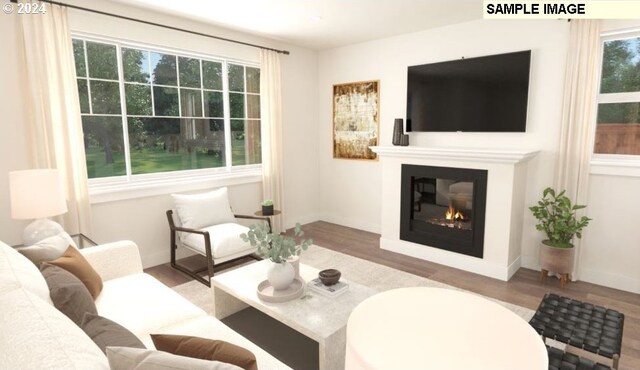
x=444, y=207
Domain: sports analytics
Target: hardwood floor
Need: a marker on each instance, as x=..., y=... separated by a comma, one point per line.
x=523, y=289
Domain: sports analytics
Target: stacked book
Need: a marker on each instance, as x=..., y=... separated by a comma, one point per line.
x=335, y=290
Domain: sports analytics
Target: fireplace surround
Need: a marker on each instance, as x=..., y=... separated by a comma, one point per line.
x=506, y=185
x=444, y=207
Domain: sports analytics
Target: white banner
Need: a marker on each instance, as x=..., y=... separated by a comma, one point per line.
x=595, y=9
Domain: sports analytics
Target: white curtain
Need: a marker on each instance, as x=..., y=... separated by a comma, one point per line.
x=578, y=115
x=271, y=131
x=54, y=122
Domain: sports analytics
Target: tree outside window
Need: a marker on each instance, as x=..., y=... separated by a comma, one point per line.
x=618, y=118
x=146, y=111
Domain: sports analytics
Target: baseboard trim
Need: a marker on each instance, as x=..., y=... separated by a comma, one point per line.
x=348, y=222
x=154, y=259
x=610, y=280
x=513, y=267
x=162, y=257
x=459, y=261
x=302, y=220
x=593, y=276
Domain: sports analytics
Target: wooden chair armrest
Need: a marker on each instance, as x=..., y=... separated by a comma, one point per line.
x=252, y=217
x=187, y=230
x=175, y=228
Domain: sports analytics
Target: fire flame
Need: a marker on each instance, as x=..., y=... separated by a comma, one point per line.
x=453, y=215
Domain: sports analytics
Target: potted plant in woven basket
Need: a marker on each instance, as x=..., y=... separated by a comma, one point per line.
x=279, y=249
x=558, y=220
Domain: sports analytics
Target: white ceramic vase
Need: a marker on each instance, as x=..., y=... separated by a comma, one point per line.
x=295, y=262
x=280, y=275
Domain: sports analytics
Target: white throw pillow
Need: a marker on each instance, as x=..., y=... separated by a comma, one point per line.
x=47, y=249
x=17, y=271
x=147, y=359
x=205, y=209
x=35, y=335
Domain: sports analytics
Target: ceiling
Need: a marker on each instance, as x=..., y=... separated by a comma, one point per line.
x=321, y=24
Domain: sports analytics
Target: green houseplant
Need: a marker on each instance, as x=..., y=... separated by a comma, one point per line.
x=279, y=249
x=557, y=218
x=267, y=207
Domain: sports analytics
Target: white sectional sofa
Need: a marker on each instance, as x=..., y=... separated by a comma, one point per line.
x=35, y=335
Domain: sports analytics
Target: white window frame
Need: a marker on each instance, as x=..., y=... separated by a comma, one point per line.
x=130, y=186
x=613, y=164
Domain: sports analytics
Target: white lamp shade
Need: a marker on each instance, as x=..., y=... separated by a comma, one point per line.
x=36, y=194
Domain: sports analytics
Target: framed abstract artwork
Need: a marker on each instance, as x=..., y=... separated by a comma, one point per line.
x=356, y=120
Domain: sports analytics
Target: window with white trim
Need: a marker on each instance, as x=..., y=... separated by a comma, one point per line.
x=147, y=113
x=618, y=118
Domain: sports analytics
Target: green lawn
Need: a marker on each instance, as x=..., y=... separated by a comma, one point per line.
x=151, y=161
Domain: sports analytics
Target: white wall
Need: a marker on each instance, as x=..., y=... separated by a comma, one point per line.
x=611, y=244
x=143, y=219
x=14, y=154
x=349, y=189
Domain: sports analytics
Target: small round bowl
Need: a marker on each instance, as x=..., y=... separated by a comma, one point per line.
x=330, y=276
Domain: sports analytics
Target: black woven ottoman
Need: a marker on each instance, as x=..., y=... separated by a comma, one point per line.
x=560, y=360
x=583, y=325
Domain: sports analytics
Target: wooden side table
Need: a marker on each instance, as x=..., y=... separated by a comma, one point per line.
x=83, y=241
x=275, y=213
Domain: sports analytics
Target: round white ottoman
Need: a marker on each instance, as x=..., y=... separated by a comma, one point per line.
x=435, y=328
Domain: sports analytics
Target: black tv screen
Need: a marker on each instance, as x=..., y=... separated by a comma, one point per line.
x=485, y=94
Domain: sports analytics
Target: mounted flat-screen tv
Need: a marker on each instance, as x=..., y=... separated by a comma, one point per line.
x=484, y=94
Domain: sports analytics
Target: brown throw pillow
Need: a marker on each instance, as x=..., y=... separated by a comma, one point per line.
x=74, y=262
x=106, y=333
x=206, y=349
x=69, y=295
x=124, y=358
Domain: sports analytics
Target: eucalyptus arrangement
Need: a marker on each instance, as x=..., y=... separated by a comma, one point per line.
x=276, y=247
x=557, y=219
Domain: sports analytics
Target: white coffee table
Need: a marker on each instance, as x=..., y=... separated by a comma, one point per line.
x=317, y=317
x=435, y=328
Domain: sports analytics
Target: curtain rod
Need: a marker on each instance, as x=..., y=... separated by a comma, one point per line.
x=286, y=52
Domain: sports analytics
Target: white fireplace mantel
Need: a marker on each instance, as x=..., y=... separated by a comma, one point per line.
x=505, y=206
x=511, y=156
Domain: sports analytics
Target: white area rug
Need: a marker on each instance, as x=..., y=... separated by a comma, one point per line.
x=354, y=269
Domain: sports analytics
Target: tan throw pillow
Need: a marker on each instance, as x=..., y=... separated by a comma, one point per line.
x=124, y=358
x=74, y=262
x=106, y=333
x=69, y=295
x=206, y=349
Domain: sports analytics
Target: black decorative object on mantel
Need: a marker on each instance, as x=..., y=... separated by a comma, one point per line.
x=404, y=140
x=397, y=132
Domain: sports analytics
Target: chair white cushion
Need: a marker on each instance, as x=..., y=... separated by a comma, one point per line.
x=225, y=240
x=205, y=209
x=19, y=272
x=142, y=304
